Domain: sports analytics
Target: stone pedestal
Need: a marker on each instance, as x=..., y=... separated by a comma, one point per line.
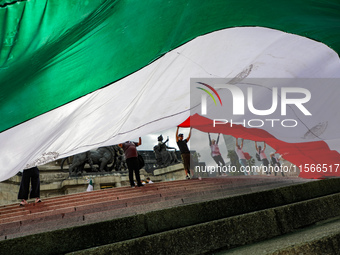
x=170, y=173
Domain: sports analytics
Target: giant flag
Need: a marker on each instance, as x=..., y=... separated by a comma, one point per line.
x=76, y=75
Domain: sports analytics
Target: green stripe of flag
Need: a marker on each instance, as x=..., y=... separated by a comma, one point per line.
x=53, y=52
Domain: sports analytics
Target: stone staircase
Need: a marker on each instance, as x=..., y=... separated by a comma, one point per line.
x=320, y=239
x=190, y=216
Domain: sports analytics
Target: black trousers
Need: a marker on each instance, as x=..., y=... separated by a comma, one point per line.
x=218, y=159
x=186, y=161
x=265, y=162
x=278, y=165
x=30, y=175
x=133, y=166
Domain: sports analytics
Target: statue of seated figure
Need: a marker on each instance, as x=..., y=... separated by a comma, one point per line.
x=164, y=157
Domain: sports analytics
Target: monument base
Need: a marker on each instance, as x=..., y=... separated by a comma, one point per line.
x=170, y=173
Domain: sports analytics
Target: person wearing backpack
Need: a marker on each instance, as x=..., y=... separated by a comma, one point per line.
x=263, y=157
x=131, y=156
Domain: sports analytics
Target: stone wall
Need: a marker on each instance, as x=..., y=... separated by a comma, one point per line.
x=9, y=191
x=170, y=173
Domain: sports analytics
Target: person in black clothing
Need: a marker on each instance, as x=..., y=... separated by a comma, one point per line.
x=185, y=152
x=30, y=175
x=131, y=156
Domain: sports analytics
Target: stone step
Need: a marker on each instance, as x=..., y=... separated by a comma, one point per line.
x=87, y=195
x=76, y=209
x=125, y=192
x=169, y=190
x=320, y=238
x=271, y=230
x=244, y=219
x=233, y=181
x=109, y=194
x=67, y=210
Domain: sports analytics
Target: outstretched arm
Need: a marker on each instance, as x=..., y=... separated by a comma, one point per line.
x=264, y=146
x=140, y=141
x=188, y=138
x=241, y=144
x=257, y=149
x=209, y=139
x=218, y=138
x=170, y=147
x=177, y=134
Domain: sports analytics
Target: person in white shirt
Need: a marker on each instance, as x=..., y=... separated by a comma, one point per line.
x=215, y=151
x=148, y=180
x=240, y=154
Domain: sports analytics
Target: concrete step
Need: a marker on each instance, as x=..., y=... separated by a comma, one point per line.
x=166, y=190
x=278, y=226
x=233, y=181
x=109, y=210
x=245, y=218
x=96, y=196
x=320, y=238
x=67, y=211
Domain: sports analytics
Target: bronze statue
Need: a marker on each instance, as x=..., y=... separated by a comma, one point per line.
x=102, y=157
x=164, y=157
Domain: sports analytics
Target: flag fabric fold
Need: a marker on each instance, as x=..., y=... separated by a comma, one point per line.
x=76, y=75
x=314, y=159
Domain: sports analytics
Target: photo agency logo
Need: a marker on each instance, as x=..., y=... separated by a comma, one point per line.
x=252, y=104
x=204, y=97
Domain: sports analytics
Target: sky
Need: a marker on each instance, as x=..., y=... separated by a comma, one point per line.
x=199, y=142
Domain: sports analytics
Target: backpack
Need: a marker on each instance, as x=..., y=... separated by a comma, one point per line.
x=141, y=162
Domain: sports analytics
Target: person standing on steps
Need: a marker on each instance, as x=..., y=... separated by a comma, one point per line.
x=185, y=152
x=215, y=151
x=131, y=156
x=241, y=156
x=29, y=176
x=275, y=162
x=263, y=157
